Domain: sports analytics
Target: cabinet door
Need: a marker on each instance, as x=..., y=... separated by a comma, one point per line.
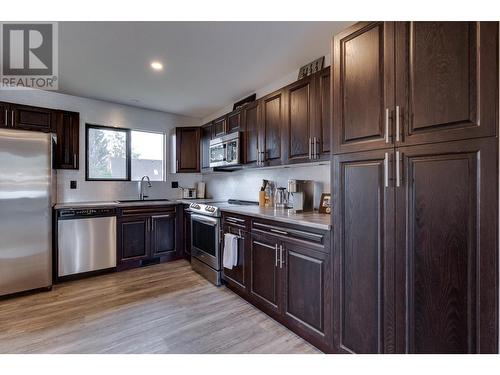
x=264, y=272
x=446, y=80
x=307, y=278
x=220, y=127
x=134, y=238
x=206, y=136
x=67, y=127
x=234, y=121
x=187, y=231
x=237, y=276
x=32, y=118
x=251, y=132
x=323, y=114
x=447, y=227
x=188, y=149
x=299, y=121
x=163, y=233
x=5, y=115
x=363, y=87
x=363, y=252
x=270, y=127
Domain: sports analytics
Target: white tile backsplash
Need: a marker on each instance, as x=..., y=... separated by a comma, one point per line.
x=245, y=184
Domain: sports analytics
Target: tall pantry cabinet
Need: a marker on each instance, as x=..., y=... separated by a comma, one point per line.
x=415, y=187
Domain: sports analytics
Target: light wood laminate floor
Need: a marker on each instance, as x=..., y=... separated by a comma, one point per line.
x=165, y=308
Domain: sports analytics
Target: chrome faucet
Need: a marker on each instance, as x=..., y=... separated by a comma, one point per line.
x=142, y=196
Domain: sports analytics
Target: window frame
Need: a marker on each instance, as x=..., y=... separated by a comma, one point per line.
x=128, y=151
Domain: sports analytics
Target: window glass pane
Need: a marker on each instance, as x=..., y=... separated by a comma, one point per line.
x=148, y=155
x=107, y=154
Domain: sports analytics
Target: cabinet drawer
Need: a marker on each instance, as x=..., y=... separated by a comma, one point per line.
x=238, y=221
x=315, y=238
x=147, y=210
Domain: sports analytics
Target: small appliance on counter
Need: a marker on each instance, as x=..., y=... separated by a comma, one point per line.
x=189, y=193
x=302, y=195
x=200, y=190
x=281, y=197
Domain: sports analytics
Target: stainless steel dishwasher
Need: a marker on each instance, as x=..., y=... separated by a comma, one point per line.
x=86, y=240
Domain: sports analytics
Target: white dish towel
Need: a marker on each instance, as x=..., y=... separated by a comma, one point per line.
x=230, y=259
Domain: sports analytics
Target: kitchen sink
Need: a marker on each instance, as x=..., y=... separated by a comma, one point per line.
x=142, y=200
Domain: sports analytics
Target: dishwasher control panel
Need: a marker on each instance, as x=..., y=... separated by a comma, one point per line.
x=85, y=212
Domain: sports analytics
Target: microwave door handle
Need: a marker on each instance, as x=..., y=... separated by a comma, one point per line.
x=225, y=152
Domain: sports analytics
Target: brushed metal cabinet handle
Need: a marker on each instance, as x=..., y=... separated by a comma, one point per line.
x=310, y=150
x=317, y=148
x=386, y=170
x=398, y=174
x=74, y=160
x=276, y=256
x=278, y=231
x=387, y=125
x=397, y=123
x=281, y=256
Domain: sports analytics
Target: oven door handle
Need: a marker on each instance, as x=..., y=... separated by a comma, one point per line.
x=204, y=220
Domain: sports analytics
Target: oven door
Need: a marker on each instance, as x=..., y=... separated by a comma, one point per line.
x=217, y=155
x=205, y=240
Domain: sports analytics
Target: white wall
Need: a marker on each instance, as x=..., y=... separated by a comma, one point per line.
x=285, y=80
x=245, y=184
x=109, y=114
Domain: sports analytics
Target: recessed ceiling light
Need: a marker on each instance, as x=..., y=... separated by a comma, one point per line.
x=156, y=65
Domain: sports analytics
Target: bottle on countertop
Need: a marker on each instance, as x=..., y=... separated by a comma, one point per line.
x=262, y=194
x=269, y=190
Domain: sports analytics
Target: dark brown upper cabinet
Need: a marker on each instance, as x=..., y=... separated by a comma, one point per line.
x=251, y=135
x=446, y=81
x=271, y=124
x=220, y=126
x=6, y=118
x=187, y=149
x=234, y=121
x=363, y=214
x=32, y=118
x=299, y=120
x=406, y=83
x=363, y=83
x=206, y=136
x=67, y=128
x=446, y=226
x=323, y=114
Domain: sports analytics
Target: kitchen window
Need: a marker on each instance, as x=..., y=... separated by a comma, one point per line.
x=116, y=154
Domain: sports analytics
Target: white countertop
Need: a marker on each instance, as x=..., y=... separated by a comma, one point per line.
x=124, y=203
x=308, y=219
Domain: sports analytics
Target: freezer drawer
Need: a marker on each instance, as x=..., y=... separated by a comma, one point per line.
x=86, y=244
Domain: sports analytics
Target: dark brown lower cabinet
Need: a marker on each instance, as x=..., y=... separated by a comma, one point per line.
x=447, y=258
x=265, y=273
x=238, y=276
x=287, y=277
x=163, y=235
x=306, y=275
x=147, y=235
x=363, y=238
x=416, y=249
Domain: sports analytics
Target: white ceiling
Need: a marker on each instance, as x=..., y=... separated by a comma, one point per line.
x=207, y=65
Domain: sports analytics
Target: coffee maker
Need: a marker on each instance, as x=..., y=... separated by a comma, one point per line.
x=301, y=194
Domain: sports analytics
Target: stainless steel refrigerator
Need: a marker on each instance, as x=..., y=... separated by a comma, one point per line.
x=25, y=211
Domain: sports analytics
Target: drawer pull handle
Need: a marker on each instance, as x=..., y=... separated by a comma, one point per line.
x=279, y=231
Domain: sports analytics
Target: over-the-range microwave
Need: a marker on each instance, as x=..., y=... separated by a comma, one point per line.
x=225, y=151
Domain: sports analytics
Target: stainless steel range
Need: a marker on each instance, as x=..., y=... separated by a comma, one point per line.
x=206, y=238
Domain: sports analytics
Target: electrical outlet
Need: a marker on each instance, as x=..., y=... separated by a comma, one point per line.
x=175, y=184
x=72, y=184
